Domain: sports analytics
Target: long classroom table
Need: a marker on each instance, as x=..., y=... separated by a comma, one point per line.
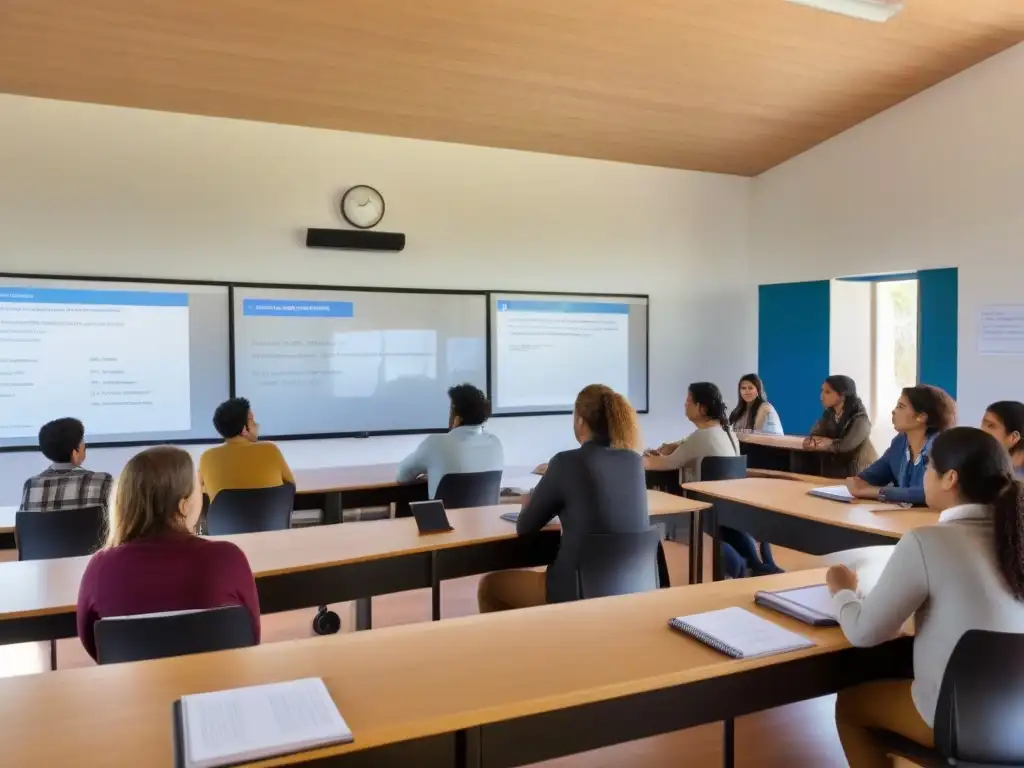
x=780, y=511
x=780, y=452
x=490, y=691
x=308, y=567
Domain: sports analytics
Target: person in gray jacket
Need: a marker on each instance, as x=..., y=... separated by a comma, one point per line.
x=596, y=488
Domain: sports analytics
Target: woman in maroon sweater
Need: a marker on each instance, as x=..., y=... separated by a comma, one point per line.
x=152, y=562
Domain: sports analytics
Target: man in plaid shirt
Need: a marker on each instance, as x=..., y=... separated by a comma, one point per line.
x=65, y=485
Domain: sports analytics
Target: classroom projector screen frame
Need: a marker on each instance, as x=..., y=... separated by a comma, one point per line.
x=282, y=300
x=205, y=332
x=593, y=308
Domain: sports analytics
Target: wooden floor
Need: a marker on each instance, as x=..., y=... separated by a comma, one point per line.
x=790, y=737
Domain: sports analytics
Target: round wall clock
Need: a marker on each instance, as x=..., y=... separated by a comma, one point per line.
x=362, y=206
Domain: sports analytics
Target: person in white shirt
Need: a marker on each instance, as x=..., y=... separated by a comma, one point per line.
x=965, y=573
x=754, y=413
x=466, y=447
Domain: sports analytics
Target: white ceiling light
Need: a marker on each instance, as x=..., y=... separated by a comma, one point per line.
x=869, y=10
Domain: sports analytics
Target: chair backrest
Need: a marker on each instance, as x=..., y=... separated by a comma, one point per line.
x=67, y=533
x=723, y=468
x=251, y=510
x=618, y=563
x=470, y=489
x=981, y=701
x=159, y=635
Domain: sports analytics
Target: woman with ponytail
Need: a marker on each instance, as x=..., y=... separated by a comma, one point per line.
x=596, y=488
x=705, y=407
x=965, y=573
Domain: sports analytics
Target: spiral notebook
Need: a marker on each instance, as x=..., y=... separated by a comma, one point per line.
x=739, y=633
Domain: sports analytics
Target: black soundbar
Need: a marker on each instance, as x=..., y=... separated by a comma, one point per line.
x=355, y=240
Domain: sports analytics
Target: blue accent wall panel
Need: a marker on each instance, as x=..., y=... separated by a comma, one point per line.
x=793, y=349
x=938, y=328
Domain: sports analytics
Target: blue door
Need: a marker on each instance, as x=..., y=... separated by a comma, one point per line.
x=793, y=349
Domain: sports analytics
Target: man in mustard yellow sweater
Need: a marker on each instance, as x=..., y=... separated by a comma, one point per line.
x=241, y=462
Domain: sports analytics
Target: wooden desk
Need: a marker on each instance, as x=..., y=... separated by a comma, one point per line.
x=816, y=480
x=308, y=567
x=484, y=691
x=781, y=512
x=784, y=453
x=333, y=489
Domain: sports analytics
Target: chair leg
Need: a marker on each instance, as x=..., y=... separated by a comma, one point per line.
x=729, y=743
x=53, y=655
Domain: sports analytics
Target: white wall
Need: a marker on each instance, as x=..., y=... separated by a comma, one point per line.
x=935, y=181
x=86, y=189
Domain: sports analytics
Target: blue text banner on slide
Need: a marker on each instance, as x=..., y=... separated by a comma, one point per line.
x=318, y=362
x=793, y=349
x=274, y=308
x=89, y=349
x=545, y=349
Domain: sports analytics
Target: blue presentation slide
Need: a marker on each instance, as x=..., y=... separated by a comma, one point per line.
x=547, y=351
x=116, y=359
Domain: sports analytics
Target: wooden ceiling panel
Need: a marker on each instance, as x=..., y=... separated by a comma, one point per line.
x=733, y=86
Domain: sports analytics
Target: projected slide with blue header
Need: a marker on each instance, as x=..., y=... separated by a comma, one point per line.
x=118, y=356
x=545, y=349
x=350, y=362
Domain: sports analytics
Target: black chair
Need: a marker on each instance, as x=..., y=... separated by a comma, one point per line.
x=980, y=707
x=251, y=510
x=618, y=563
x=64, y=533
x=470, y=489
x=159, y=635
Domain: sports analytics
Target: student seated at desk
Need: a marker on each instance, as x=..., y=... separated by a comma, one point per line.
x=965, y=573
x=706, y=409
x=596, y=488
x=754, y=413
x=65, y=484
x=921, y=413
x=466, y=447
x=843, y=433
x=152, y=562
x=241, y=462
x=1005, y=422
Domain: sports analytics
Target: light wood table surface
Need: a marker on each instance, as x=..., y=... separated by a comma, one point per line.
x=781, y=511
x=45, y=587
x=419, y=681
x=816, y=480
x=785, y=442
x=787, y=497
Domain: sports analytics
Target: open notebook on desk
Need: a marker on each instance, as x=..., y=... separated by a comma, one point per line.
x=247, y=724
x=739, y=633
x=812, y=605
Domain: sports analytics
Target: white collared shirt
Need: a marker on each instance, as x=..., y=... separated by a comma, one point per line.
x=947, y=577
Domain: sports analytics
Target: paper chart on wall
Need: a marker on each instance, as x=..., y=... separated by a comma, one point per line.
x=1001, y=329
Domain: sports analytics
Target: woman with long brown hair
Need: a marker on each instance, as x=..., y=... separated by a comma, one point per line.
x=596, y=488
x=965, y=573
x=152, y=561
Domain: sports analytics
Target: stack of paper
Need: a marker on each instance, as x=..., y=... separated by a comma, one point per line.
x=833, y=492
x=811, y=605
x=261, y=721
